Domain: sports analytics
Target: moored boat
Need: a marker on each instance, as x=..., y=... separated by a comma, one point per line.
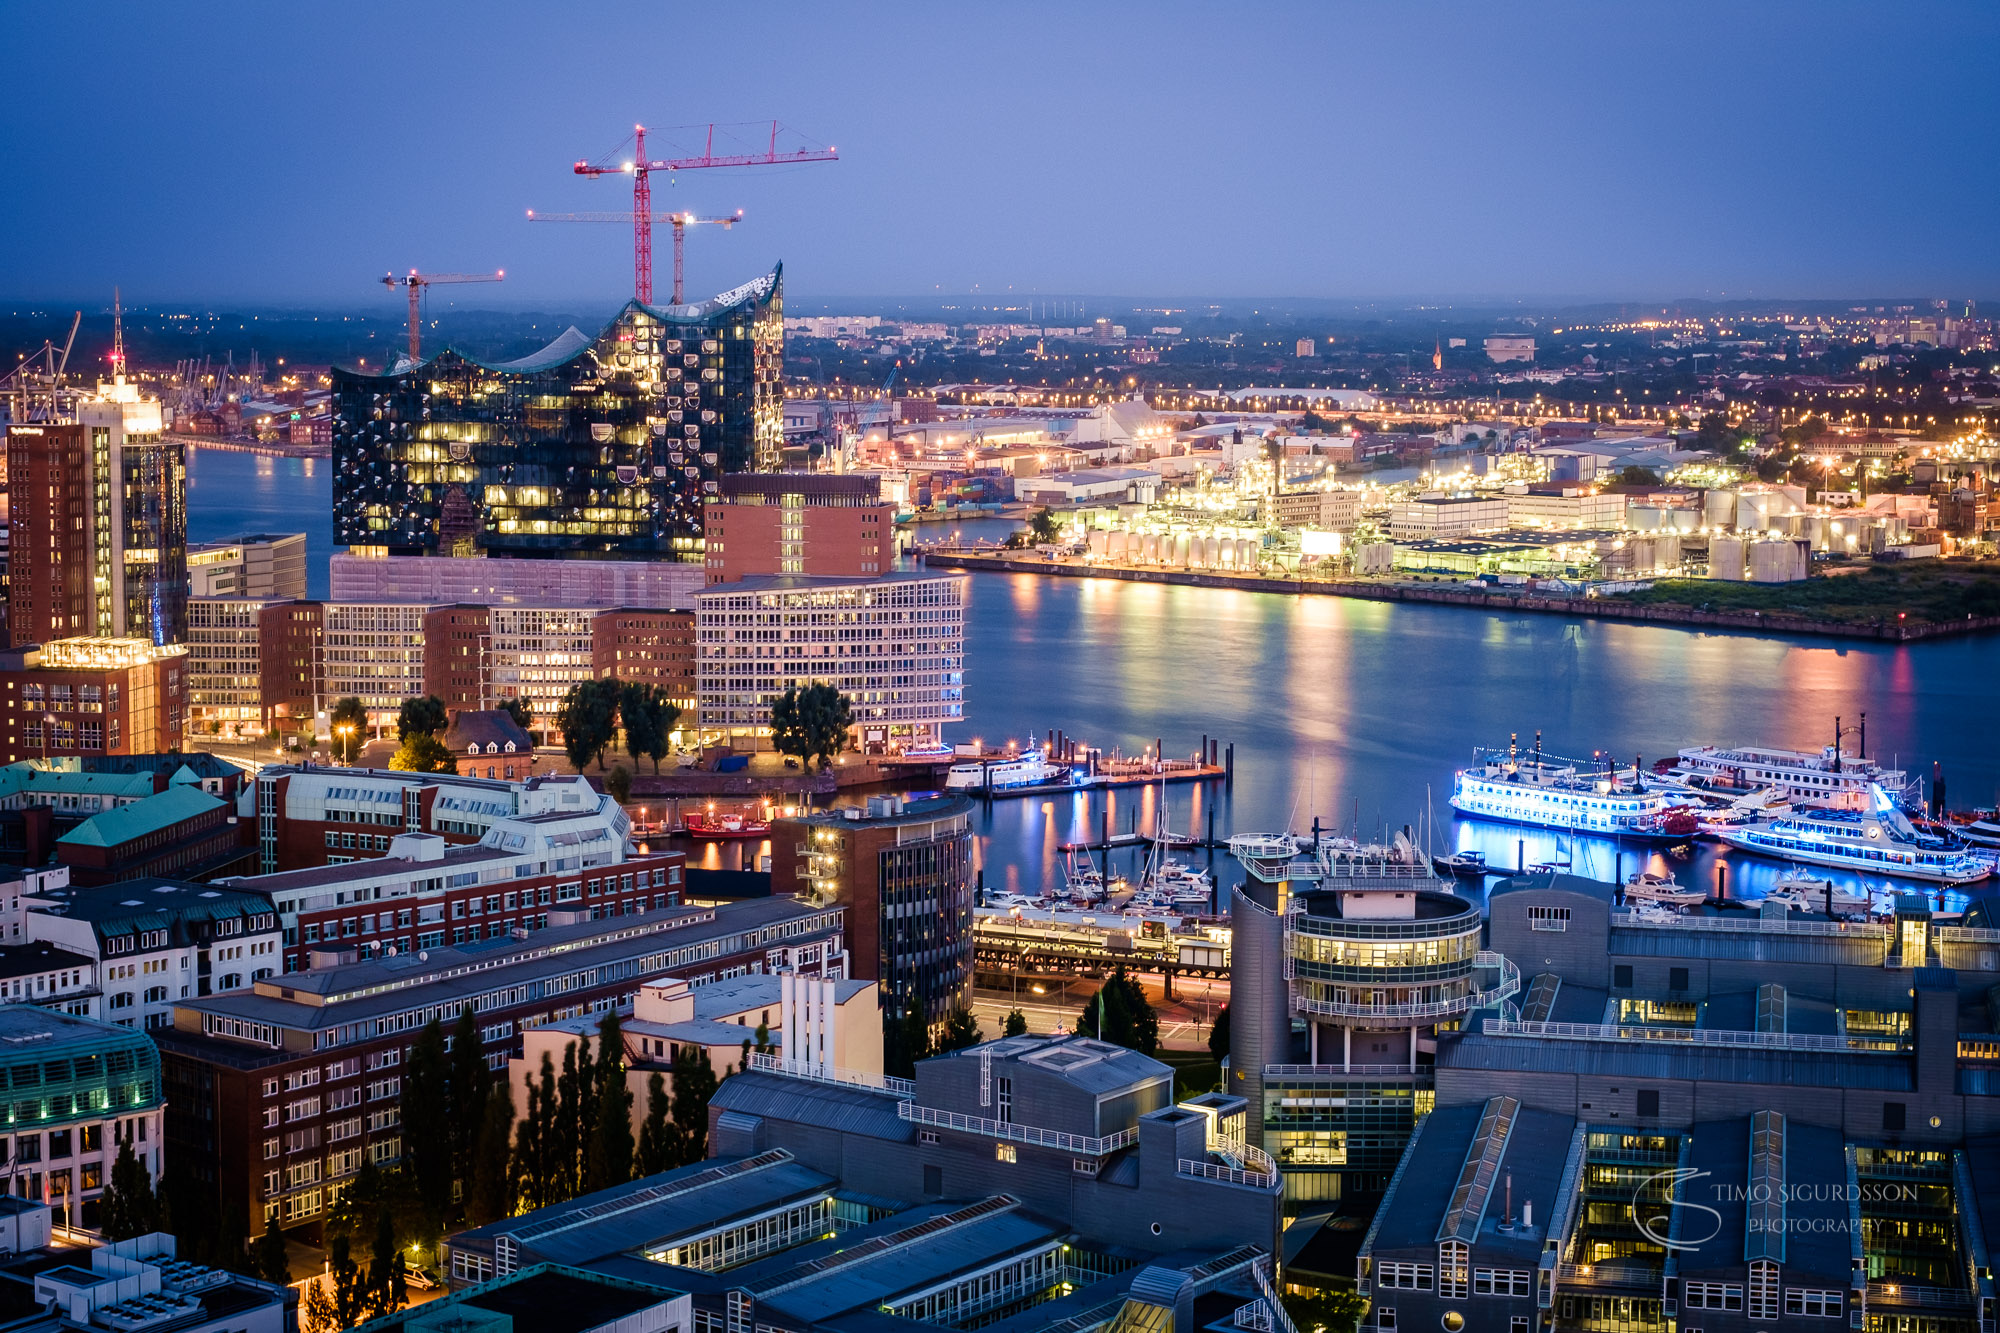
x=1877, y=840
x=1593, y=796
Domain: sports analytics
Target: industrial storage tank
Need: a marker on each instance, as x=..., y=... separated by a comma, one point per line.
x=1247, y=553
x=1644, y=518
x=1754, y=510
x=1099, y=541
x=1115, y=544
x=1151, y=548
x=1718, y=508
x=1725, y=558
x=1679, y=520
x=1779, y=561
x=1211, y=552
x=1180, y=555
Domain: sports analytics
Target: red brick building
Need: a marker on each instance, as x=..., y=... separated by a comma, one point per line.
x=458, y=642
x=798, y=523
x=92, y=697
x=489, y=743
x=290, y=639
x=180, y=833
x=652, y=647
x=49, y=556
x=277, y=1093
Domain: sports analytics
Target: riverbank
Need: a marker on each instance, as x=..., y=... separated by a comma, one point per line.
x=1750, y=620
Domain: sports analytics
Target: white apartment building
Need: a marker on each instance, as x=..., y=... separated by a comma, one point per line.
x=156, y=941
x=375, y=652
x=1574, y=507
x=38, y=972
x=894, y=646
x=536, y=654
x=224, y=665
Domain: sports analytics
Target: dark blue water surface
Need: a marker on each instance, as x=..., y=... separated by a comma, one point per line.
x=1354, y=711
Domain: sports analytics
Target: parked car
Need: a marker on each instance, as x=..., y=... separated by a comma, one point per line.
x=419, y=1278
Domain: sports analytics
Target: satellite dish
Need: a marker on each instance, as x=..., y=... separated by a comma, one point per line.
x=423, y=955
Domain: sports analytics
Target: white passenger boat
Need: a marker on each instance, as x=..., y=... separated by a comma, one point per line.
x=1877, y=840
x=1030, y=768
x=1829, y=777
x=1579, y=796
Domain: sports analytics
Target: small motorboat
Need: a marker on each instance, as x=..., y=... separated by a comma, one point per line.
x=1461, y=865
x=1647, y=886
x=1809, y=894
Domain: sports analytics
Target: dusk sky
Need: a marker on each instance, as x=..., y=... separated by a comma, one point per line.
x=290, y=155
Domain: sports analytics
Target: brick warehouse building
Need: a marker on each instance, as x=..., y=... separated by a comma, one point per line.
x=279, y=1091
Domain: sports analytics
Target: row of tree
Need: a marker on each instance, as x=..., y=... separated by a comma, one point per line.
x=594, y=712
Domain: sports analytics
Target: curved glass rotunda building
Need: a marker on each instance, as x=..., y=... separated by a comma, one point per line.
x=597, y=444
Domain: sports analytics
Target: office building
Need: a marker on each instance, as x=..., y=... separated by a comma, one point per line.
x=265, y=566
x=102, y=552
x=607, y=443
x=156, y=942
x=895, y=646
x=1370, y=958
x=374, y=653
x=458, y=645
x=798, y=523
x=291, y=652
x=182, y=832
x=903, y=871
x=95, y=1085
x=277, y=1092
x=514, y=581
x=93, y=697
x=225, y=666
x=536, y=655
x=650, y=648
x=314, y=816
x=1027, y=1184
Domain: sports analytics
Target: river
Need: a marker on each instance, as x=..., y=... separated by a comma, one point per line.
x=1353, y=711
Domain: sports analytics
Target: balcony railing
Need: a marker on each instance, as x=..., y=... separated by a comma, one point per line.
x=1508, y=984
x=852, y=1078
x=1902, y=1293
x=1082, y=1144
x=1610, y=1275
x=1775, y=925
x=1339, y=1071
x=1770, y=1041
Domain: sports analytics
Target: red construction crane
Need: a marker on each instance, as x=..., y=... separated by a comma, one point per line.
x=640, y=168
x=680, y=222
x=416, y=282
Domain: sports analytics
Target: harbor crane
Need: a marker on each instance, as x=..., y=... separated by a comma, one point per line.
x=679, y=221
x=416, y=282
x=640, y=168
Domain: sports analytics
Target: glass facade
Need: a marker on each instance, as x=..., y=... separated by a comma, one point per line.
x=594, y=444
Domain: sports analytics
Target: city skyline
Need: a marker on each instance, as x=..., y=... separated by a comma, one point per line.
x=1359, y=155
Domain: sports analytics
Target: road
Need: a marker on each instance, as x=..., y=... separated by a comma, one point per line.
x=1049, y=1002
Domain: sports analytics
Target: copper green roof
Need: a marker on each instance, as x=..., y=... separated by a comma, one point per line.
x=25, y=777
x=155, y=814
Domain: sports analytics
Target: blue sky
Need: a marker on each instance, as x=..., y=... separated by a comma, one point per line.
x=281, y=154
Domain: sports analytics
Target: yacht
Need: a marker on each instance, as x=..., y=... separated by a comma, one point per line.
x=1875, y=840
x=1830, y=777
x=1030, y=768
x=1981, y=830
x=1577, y=796
x=1808, y=894
x=1181, y=887
x=1649, y=887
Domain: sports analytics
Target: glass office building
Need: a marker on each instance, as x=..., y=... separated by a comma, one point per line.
x=595, y=444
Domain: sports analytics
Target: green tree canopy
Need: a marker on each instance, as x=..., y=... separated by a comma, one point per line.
x=347, y=721
x=588, y=720
x=268, y=1256
x=1045, y=525
x=518, y=709
x=811, y=723
x=424, y=716
x=694, y=1082
x=422, y=752
x=1122, y=1015
x=1218, y=1035
x=656, y=1152
x=618, y=782
x=649, y=716
x=426, y=1105
x=490, y=1196
x=128, y=1207
x=1017, y=1023
x=961, y=1031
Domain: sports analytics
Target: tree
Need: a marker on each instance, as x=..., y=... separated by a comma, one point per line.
x=1121, y=1015
x=1218, y=1035
x=588, y=719
x=316, y=1312
x=906, y=1039
x=611, y=1147
x=518, y=709
x=1046, y=526
x=1338, y=1310
x=230, y=1239
x=427, y=1140
x=468, y=1081
x=350, y=1294
x=385, y=1269
x=649, y=716
x=128, y=1207
x=534, y=1149
x=490, y=1196
x=811, y=723
x=961, y=1030
x=268, y=1255
x=348, y=722
x=694, y=1083
x=421, y=752
x=618, y=782
x=423, y=716
x=1017, y=1023
x=1638, y=476
x=656, y=1151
